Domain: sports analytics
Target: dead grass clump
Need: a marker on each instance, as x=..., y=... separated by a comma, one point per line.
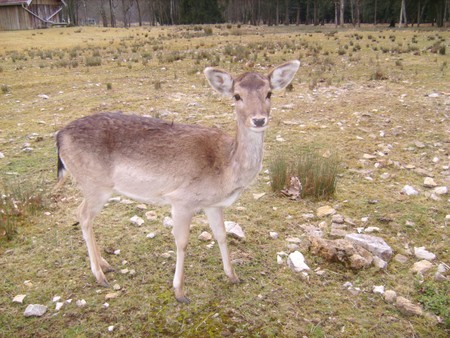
x=92, y=61
x=19, y=201
x=317, y=174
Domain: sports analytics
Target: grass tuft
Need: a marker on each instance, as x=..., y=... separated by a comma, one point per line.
x=19, y=201
x=317, y=174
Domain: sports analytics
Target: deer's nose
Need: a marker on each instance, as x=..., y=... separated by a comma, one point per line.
x=259, y=122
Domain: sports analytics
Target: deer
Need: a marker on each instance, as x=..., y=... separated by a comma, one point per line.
x=189, y=167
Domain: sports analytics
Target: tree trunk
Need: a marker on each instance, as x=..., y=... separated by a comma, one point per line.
x=277, y=16
x=286, y=13
x=342, y=12
x=336, y=16
x=297, y=21
x=139, y=13
x=316, y=12
x=402, y=14
x=358, y=12
x=375, y=13
x=307, y=12
x=113, y=14
x=103, y=13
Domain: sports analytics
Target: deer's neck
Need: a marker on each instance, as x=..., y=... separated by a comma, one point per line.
x=247, y=156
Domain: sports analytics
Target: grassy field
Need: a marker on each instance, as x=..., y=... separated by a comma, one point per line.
x=372, y=91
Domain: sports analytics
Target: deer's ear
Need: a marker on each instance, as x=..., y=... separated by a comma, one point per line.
x=282, y=75
x=220, y=81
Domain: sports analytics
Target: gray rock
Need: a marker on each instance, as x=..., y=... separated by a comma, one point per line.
x=136, y=220
x=273, y=234
x=378, y=289
x=338, y=230
x=402, y=259
x=205, y=236
x=296, y=261
x=379, y=263
x=422, y=253
x=441, y=190
x=421, y=266
x=337, y=218
x=234, y=230
x=35, y=310
x=409, y=190
x=390, y=296
x=325, y=211
x=168, y=222
x=406, y=307
x=375, y=245
x=19, y=299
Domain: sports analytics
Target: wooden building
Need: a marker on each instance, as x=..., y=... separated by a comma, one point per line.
x=31, y=14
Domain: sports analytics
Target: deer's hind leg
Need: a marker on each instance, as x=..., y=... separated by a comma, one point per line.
x=88, y=209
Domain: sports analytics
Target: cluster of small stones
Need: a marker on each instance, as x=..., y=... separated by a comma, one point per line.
x=357, y=250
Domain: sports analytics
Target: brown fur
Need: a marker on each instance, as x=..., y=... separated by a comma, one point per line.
x=187, y=166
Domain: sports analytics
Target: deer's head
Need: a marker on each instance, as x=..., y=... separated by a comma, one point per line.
x=252, y=92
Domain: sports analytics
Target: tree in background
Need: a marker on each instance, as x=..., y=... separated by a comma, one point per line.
x=199, y=11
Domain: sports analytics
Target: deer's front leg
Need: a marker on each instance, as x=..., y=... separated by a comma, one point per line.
x=215, y=218
x=181, y=223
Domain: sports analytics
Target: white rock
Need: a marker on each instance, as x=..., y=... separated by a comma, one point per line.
x=378, y=289
x=273, y=234
x=441, y=190
x=114, y=199
x=35, y=310
x=280, y=260
x=136, y=220
x=205, y=236
x=234, y=230
x=409, y=190
x=442, y=268
x=433, y=95
x=117, y=252
x=151, y=235
x=422, y=253
x=80, y=303
x=429, y=182
x=2, y=155
x=19, y=299
x=141, y=206
x=372, y=229
x=58, y=306
x=56, y=299
x=375, y=245
x=296, y=261
x=168, y=222
x=43, y=96
x=105, y=305
x=111, y=328
x=117, y=287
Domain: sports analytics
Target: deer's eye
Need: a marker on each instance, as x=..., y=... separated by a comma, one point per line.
x=237, y=97
x=269, y=95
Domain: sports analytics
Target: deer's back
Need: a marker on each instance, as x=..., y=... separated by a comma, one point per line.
x=124, y=149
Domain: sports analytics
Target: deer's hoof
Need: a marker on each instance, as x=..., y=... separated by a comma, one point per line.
x=183, y=300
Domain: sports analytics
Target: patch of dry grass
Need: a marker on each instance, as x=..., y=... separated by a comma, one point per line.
x=333, y=106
